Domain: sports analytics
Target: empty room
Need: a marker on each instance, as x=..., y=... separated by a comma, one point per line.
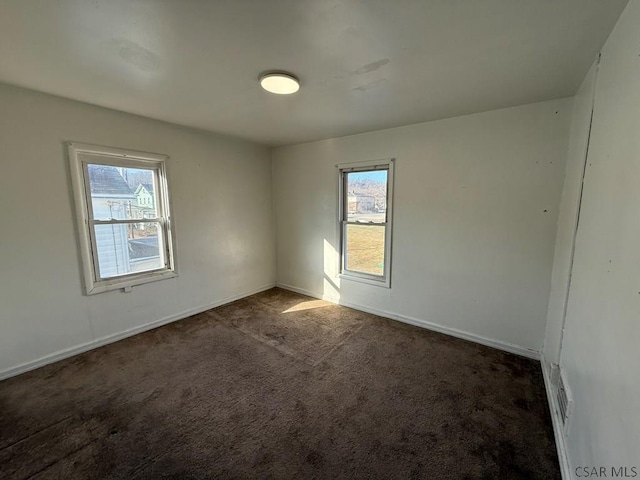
x=319, y=239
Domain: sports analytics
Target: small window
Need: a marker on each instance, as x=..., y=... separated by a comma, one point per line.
x=365, y=221
x=122, y=205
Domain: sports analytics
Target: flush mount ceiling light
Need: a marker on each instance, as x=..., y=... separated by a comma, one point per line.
x=281, y=83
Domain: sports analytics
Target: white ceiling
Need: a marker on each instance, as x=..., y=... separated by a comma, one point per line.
x=364, y=65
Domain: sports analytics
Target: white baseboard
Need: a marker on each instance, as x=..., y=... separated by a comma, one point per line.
x=505, y=346
x=99, y=342
x=561, y=446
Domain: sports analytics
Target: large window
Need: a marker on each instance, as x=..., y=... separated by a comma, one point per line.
x=365, y=221
x=122, y=205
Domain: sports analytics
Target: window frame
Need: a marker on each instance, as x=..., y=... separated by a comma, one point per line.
x=343, y=169
x=85, y=222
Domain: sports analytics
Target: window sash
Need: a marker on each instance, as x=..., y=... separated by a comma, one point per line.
x=128, y=220
x=163, y=248
x=366, y=224
x=345, y=252
x=365, y=167
x=126, y=163
x=344, y=172
x=160, y=219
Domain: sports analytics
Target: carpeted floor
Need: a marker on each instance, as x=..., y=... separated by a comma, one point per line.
x=280, y=386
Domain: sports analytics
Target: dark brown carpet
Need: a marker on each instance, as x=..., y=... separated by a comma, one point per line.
x=280, y=386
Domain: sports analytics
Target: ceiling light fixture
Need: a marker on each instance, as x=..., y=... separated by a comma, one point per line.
x=281, y=83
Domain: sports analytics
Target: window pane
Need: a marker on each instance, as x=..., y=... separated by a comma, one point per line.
x=367, y=196
x=122, y=193
x=129, y=248
x=364, y=245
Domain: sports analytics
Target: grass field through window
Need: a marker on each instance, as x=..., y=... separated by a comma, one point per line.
x=365, y=249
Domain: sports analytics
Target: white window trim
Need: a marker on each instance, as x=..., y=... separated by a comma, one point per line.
x=81, y=193
x=384, y=164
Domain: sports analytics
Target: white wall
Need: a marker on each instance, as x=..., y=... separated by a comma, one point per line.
x=476, y=204
x=601, y=348
x=221, y=199
x=568, y=216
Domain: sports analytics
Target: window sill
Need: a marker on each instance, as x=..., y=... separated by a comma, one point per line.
x=383, y=283
x=129, y=281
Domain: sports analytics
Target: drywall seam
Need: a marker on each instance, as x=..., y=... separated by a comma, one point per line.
x=418, y=322
x=552, y=400
x=99, y=342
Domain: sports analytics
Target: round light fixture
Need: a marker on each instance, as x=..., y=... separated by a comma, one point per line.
x=280, y=83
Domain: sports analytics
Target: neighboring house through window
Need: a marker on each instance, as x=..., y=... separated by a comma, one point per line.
x=122, y=204
x=365, y=221
x=144, y=195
